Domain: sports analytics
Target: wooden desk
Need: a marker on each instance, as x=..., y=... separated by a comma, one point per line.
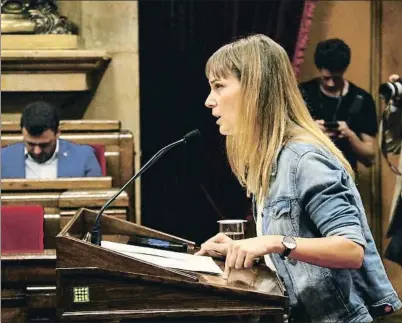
x=29, y=292
x=60, y=184
x=28, y=286
x=69, y=125
x=96, y=284
x=122, y=289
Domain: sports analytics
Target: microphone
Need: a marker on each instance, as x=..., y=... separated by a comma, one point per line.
x=191, y=134
x=96, y=235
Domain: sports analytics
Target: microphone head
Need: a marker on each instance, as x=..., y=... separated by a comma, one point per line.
x=191, y=135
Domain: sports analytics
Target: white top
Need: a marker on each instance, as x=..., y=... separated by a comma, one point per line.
x=267, y=258
x=47, y=170
x=345, y=91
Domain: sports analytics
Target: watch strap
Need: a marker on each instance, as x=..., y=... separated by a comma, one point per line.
x=287, y=250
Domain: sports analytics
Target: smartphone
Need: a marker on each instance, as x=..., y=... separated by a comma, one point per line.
x=331, y=125
x=157, y=243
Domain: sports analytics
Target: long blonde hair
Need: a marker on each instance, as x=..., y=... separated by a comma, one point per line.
x=272, y=110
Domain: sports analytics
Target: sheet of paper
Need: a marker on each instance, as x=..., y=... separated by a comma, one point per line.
x=169, y=259
x=269, y=263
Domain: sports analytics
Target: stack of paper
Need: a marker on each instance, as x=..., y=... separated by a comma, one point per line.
x=169, y=259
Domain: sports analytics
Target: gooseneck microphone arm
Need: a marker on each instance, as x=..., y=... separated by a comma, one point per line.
x=96, y=235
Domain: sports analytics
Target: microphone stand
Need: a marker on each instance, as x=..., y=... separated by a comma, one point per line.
x=96, y=236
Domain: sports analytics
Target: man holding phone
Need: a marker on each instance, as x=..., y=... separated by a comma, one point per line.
x=344, y=111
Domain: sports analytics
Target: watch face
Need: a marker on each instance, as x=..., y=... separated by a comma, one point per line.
x=289, y=242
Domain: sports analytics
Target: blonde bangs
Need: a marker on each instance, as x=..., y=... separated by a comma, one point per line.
x=220, y=64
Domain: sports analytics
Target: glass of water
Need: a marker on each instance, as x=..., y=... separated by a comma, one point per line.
x=234, y=229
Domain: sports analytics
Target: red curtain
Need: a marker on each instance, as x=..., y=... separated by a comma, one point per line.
x=302, y=37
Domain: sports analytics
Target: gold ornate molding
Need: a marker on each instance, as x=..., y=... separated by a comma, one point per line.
x=33, y=17
x=16, y=23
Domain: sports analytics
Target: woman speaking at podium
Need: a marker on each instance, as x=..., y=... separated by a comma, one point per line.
x=308, y=210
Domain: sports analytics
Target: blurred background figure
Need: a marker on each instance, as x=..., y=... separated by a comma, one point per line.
x=344, y=111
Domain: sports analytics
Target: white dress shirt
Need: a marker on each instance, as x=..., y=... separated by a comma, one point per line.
x=47, y=170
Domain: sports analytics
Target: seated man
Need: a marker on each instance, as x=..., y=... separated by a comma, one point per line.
x=344, y=111
x=43, y=155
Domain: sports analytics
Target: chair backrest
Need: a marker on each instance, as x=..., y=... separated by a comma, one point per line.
x=100, y=156
x=22, y=228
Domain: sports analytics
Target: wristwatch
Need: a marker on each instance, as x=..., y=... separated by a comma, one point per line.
x=290, y=244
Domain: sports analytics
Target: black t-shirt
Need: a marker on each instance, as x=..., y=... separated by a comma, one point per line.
x=357, y=108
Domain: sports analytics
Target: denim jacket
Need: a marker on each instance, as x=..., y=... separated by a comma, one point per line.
x=311, y=196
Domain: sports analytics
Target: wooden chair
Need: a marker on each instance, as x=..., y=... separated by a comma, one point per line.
x=100, y=156
x=60, y=198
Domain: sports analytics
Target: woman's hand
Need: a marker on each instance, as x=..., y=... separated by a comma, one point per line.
x=216, y=246
x=241, y=253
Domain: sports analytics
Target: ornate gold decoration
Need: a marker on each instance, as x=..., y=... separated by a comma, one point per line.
x=34, y=17
x=15, y=6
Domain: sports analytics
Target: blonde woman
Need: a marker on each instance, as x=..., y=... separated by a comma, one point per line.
x=309, y=215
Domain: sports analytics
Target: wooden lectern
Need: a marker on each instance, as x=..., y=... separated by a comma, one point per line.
x=97, y=284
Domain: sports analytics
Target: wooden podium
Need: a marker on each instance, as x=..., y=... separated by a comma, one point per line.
x=97, y=284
